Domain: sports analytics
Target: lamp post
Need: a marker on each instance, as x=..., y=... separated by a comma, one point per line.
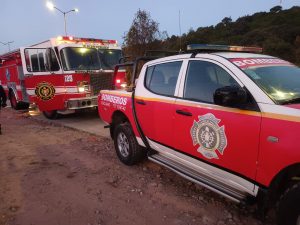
x=7, y=43
x=51, y=6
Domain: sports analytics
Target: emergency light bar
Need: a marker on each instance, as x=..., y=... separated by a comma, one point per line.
x=85, y=40
x=226, y=48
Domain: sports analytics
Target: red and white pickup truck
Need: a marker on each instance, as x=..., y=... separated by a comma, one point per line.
x=227, y=119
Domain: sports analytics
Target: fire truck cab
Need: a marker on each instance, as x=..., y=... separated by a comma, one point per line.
x=60, y=75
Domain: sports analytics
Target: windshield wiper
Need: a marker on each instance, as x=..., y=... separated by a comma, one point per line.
x=291, y=101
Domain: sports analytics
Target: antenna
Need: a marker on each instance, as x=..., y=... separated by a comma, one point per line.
x=280, y=2
x=179, y=32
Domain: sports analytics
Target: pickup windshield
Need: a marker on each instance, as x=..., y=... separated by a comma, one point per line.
x=75, y=58
x=280, y=83
x=109, y=58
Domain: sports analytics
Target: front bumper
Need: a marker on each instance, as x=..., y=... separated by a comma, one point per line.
x=81, y=103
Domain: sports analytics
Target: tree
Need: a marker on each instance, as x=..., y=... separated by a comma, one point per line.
x=276, y=9
x=226, y=21
x=142, y=35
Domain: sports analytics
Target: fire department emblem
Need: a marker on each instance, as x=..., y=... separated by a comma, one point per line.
x=45, y=91
x=209, y=136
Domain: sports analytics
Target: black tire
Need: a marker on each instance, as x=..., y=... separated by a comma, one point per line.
x=288, y=207
x=52, y=114
x=128, y=150
x=13, y=101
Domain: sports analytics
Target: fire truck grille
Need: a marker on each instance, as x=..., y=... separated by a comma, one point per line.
x=101, y=81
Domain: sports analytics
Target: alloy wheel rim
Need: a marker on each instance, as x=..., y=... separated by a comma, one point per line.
x=123, y=144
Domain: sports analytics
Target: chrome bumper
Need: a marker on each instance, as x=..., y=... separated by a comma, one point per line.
x=81, y=103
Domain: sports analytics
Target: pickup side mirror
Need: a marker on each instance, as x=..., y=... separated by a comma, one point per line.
x=230, y=96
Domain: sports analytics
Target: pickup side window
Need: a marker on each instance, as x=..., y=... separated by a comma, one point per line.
x=202, y=80
x=162, y=78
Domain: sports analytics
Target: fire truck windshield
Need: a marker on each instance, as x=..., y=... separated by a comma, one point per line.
x=109, y=58
x=78, y=58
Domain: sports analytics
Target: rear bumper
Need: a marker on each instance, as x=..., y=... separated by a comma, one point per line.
x=81, y=103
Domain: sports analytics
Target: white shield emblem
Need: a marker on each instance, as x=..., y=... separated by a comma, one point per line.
x=209, y=136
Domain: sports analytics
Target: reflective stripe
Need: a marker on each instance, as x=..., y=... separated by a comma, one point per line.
x=58, y=90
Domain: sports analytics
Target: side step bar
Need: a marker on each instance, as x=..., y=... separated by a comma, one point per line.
x=199, y=178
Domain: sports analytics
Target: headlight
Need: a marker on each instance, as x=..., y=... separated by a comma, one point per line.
x=81, y=89
x=83, y=86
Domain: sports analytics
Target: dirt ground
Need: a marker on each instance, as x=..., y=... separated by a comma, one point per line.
x=52, y=175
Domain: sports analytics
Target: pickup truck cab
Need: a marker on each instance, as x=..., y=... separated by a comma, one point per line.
x=224, y=119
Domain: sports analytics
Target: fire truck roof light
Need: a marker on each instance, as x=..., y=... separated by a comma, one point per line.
x=59, y=38
x=227, y=48
x=87, y=41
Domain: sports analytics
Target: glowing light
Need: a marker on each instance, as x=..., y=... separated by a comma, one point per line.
x=83, y=50
x=50, y=5
x=118, y=81
x=59, y=38
x=76, y=10
x=71, y=38
x=81, y=89
x=279, y=94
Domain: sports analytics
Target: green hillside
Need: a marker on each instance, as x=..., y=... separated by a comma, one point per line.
x=277, y=31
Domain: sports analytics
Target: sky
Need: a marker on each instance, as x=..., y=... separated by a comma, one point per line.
x=27, y=22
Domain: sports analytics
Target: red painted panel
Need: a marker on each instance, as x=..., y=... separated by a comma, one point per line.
x=275, y=156
x=242, y=135
x=156, y=119
x=64, y=89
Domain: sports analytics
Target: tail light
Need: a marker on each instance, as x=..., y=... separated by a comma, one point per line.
x=119, y=79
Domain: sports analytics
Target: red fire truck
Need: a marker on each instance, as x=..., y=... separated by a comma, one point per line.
x=60, y=75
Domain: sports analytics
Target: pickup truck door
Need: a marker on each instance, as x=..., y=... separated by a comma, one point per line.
x=44, y=81
x=226, y=138
x=154, y=100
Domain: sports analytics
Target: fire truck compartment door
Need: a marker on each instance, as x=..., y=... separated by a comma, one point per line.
x=45, y=88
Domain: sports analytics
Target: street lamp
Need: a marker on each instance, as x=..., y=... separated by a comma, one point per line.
x=7, y=43
x=51, y=6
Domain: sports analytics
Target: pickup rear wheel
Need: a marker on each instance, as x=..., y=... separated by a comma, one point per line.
x=288, y=208
x=128, y=150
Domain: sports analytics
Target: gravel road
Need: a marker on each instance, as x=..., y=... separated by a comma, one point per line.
x=53, y=175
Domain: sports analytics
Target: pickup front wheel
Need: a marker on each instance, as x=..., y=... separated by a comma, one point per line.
x=127, y=148
x=289, y=210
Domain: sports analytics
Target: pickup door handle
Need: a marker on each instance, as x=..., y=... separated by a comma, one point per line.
x=141, y=102
x=184, y=113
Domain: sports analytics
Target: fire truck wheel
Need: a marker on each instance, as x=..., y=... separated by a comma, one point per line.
x=13, y=101
x=288, y=207
x=127, y=148
x=52, y=114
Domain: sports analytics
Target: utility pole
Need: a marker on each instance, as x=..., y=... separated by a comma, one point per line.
x=7, y=43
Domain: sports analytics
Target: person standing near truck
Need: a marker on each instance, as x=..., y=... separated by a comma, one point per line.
x=2, y=100
x=3, y=97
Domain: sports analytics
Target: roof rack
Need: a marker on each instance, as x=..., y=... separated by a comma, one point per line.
x=196, y=48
